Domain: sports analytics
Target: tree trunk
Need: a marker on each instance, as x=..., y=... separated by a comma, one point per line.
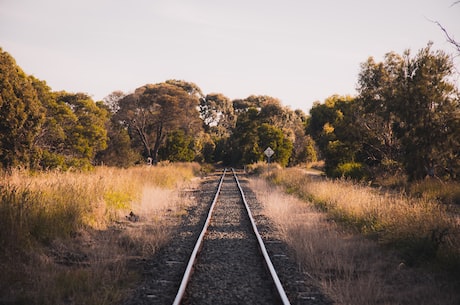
x=145, y=141
x=158, y=141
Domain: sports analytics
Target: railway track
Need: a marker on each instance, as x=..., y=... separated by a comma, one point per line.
x=215, y=258
x=230, y=258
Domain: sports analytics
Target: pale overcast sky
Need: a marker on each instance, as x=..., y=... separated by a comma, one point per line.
x=297, y=51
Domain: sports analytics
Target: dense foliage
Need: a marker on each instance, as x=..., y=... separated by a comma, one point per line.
x=174, y=120
x=404, y=120
x=44, y=129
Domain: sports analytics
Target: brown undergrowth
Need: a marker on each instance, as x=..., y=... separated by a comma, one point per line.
x=353, y=266
x=65, y=237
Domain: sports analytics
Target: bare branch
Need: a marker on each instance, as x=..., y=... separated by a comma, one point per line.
x=449, y=38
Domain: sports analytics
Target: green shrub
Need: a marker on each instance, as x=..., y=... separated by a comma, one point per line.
x=51, y=160
x=353, y=170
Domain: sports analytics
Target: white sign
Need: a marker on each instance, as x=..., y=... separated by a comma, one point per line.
x=269, y=152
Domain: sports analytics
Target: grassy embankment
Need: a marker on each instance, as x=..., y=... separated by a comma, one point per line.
x=64, y=237
x=407, y=250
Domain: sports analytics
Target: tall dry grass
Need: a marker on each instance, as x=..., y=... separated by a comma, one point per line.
x=434, y=189
x=348, y=267
x=423, y=230
x=67, y=231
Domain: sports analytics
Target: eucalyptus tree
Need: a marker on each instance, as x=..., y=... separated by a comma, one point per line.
x=40, y=128
x=84, y=127
x=243, y=145
x=218, y=114
x=53, y=138
x=219, y=119
x=21, y=114
x=178, y=147
x=378, y=84
x=155, y=110
x=120, y=151
x=189, y=87
x=262, y=121
x=412, y=105
x=428, y=114
x=112, y=100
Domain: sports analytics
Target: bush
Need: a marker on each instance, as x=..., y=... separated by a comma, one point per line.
x=353, y=170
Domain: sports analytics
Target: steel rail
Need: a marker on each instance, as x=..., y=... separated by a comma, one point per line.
x=268, y=262
x=191, y=262
x=188, y=271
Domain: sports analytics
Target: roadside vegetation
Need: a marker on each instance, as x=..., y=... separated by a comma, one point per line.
x=68, y=238
x=365, y=245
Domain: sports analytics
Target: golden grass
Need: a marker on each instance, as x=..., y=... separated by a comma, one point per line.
x=422, y=229
x=348, y=267
x=64, y=237
x=434, y=189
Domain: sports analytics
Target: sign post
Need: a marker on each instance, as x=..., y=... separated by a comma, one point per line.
x=269, y=152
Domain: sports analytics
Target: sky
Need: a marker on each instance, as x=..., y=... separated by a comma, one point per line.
x=298, y=51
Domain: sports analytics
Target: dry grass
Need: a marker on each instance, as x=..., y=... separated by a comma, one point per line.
x=64, y=237
x=350, y=268
x=434, y=189
x=423, y=230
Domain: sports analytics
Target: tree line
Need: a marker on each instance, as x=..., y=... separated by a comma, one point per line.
x=404, y=119
x=172, y=120
x=175, y=121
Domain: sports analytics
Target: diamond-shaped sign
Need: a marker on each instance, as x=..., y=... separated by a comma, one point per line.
x=269, y=152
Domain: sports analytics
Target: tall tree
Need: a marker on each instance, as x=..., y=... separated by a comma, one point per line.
x=189, y=87
x=86, y=135
x=218, y=114
x=244, y=142
x=428, y=110
x=414, y=104
x=119, y=151
x=21, y=114
x=256, y=128
x=154, y=111
x=178, y=147
x=112, y=100
x=304, y=150
x=273, y=137
x=331, y=125
x=219, y=119
x=377, y=87
x=57, y=127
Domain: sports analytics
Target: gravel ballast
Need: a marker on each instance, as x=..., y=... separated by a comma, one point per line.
x=229, y=269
